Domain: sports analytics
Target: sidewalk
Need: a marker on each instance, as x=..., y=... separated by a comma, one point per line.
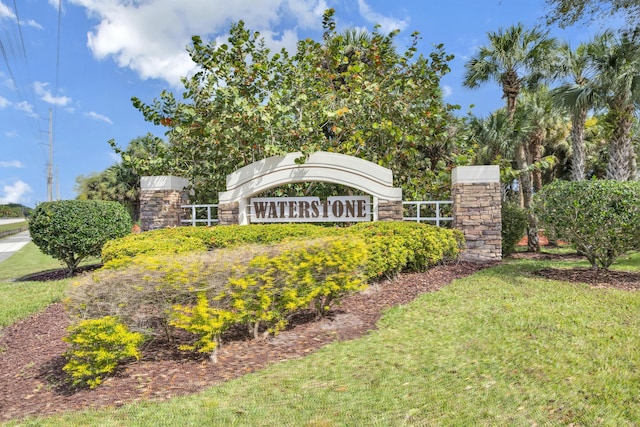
x=10, y=245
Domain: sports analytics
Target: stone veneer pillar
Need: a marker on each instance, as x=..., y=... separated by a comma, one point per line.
x=390, y=210
x=160, y=201
x=477, y=211
x=228, y=213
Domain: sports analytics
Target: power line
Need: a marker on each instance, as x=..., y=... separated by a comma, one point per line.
x=14, y=50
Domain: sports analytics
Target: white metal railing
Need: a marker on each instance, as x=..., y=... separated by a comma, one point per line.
x=419, y=211
x=200, y=214
x=431, y=211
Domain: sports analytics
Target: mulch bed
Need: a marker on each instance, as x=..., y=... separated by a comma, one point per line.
x=32, y=381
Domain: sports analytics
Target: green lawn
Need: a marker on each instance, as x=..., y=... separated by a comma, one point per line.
x=501, y=347
x=21, y=299
x=13, y=226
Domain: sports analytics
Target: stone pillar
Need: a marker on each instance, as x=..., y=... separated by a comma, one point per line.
x=390, y=210
x=160, y=201
x=228, y=213
x=477, y=211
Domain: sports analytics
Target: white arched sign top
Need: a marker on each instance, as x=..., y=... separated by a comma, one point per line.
x=321, y=166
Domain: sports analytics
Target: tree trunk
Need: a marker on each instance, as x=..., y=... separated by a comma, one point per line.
x=536, y=152
x=620, y=147
x=533, y=244
x=577, y=145
x=633, y=165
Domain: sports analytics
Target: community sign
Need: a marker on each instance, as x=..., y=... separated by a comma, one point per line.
x=310, y=209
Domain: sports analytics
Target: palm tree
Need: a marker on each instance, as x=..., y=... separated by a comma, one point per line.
x=515, y=58
x=617, y=63
x=577, y=96
x=546, y=129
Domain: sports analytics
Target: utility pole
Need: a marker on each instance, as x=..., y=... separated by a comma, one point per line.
x=57, y=184
x=50, y=163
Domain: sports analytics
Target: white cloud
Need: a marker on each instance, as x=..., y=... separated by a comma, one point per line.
x=386, y=23
x=11, y=164
x=100, y=117
x=4, y=102
x=32, y=23
x=11, y=133
x=26, y=107
x=45, y=95
x=7, y=13
x=447, y=91
x=150, y=37
x=14, y=193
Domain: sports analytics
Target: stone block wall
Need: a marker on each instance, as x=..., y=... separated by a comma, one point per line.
x=389, y=210
x=477, y=211
x=228, y=213
x=161, y=198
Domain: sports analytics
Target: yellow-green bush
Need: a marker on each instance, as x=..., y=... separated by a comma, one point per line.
x=397, y=246
x=392, y=246
x=290, y=277
x=144, y=293
x=260, y=284
x=97, y=347
x=118, y=253
x=169, y=280
x=205, y=322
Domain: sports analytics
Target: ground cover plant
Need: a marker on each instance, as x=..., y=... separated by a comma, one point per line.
x=515, y=348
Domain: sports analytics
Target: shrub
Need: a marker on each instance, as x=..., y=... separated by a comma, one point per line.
x=514, y=226
x=290, y=277
x=119, y=252
x=392, y=246
x=206, y=322
x=206, y=293
x=600, y=218
x=72, y=230
x=189, y=239
x=397, y=246
x=97, y=347
x=143, y=294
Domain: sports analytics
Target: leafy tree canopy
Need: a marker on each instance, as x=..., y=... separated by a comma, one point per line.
x=351, y=93
x=569, y=12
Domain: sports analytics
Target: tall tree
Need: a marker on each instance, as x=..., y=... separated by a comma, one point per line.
x=514, y=58
x=144, y=156
x=568, y=12
x=617, y=64
x=577, y=96
x=546, y=128
x=350, y=93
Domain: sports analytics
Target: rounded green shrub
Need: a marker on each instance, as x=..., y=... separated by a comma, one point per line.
x=600, y=218
x=72, y=230
x=514, y=226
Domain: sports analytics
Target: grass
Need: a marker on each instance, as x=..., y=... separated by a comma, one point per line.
x=21, y=299
x=13, y=226
x=501, y=347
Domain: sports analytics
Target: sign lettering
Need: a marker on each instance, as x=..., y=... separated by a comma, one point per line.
x=310, y=209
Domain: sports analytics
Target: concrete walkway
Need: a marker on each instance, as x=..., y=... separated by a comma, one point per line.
x=10, y=245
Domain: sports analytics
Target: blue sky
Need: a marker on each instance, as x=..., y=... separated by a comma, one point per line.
x=85, y=59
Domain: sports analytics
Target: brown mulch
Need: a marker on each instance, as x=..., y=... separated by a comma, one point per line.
x=625, y=280
x=32, y=381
